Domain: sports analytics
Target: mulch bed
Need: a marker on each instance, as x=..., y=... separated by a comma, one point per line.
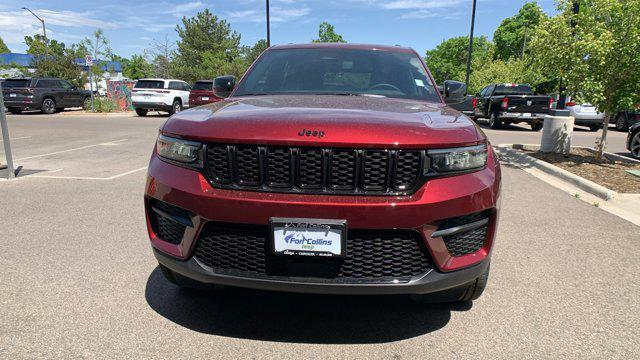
x=610, y=173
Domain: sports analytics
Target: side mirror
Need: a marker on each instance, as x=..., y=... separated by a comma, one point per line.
x=223, y=85
x=454, y=91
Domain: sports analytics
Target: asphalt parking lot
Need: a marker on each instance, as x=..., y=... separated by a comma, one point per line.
x=79, y=279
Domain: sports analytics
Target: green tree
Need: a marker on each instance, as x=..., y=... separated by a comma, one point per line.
x=511, y=71
x=448, y=60
x=207, y=44
x=3, y=47
x=252, y=52
x=36, y=45
x=97, y=46
x=598, y=57
x=61, y=66
x=137, y=68
x=327, y=34
x=514, y=32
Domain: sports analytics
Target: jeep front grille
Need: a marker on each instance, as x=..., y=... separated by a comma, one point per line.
x=315, y=170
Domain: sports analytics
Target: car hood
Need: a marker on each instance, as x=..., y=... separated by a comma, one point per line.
x=326, y=120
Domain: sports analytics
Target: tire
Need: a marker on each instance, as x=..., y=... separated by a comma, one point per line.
x=621, y=123
x=15, y=111
x=469, y=292
x=594, y=128
x=635, y=145
x=176, y=107
x=537, y=126
x=86, y=103
x=494, y=121
x=141, y=112
x=48, y=106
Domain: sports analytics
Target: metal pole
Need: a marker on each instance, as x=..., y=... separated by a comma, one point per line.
x=44, y=32
x=5, y=137
x=268, y=27
x=473, y=20
x=91, y=86
x=46, y=43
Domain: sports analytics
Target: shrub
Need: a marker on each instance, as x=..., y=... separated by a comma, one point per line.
x=102, y=105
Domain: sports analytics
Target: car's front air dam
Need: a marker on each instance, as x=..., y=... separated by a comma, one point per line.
x=438, y=199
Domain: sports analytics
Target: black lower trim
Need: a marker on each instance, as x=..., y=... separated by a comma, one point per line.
x=151, y=106
x=430, y=282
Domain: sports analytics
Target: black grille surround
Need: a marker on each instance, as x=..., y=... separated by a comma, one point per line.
x=466, y=242
x=168, y=222
x=373, y=256
x=309, y=170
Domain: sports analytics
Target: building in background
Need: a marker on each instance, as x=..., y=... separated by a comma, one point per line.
x=16, y=65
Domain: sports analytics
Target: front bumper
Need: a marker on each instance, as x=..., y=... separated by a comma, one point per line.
x=430, y=282
x=438, y=199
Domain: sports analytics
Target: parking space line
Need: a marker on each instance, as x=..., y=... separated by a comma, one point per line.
x=74, y=149
x=19, y=138
x=88, y=177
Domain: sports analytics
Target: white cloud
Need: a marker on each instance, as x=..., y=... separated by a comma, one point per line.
x=15, y=25
x=276, y=14
x=183, y=9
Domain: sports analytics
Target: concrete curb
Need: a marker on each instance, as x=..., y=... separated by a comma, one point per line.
x=508, y=152
x=89, y=113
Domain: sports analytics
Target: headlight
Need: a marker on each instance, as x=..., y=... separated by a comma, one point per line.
x=458, y=159
x=178, y=150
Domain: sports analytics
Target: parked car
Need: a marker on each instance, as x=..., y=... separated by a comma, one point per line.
x=633, y=140
x=46, y=94
x=585, y=115
x=624, y=119
x=203, y=92
x=345, y=174
x=168, y=95
x=505, y=104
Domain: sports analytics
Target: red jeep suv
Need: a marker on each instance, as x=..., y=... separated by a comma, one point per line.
x=329, y=168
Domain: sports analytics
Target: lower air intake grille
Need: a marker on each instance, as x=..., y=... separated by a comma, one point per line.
x=163, y=225
x=468, y=242
x=372, y=256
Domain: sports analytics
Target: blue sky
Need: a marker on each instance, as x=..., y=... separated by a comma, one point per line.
x=132, y=26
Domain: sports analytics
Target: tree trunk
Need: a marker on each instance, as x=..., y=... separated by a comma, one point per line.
x=602, y=143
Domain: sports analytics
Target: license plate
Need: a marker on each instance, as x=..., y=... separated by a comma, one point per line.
x=308, y=237
x=526, y=114
x=205, y=98
x=12, y=95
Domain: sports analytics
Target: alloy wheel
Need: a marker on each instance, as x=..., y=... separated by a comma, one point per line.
x=176, y=107
x=621, y=123
x=49, y=106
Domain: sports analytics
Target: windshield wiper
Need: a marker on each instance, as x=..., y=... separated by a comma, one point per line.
x=354, y=94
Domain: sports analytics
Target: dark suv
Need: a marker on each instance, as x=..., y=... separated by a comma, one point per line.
x=331, y=168
x=46, y=94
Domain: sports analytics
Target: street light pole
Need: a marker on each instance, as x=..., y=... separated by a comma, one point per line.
x=44, y=32
x=268, y=27
x=473, y=20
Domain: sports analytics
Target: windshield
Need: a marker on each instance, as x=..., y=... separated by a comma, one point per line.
x=513, y=89
x=203, y=85
x=149, y=84
x=339, y=71
x=15, y=83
